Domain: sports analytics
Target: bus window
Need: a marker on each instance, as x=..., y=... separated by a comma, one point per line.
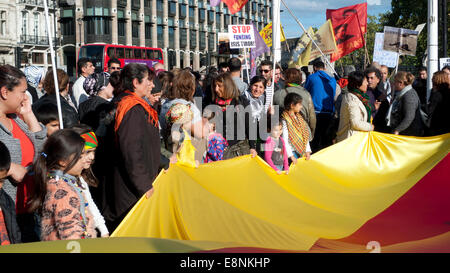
x=111, y=52
x=137, y=54
x=128, y=53
x=158, y=55
x=144, y=55
x=95, y=54
x=149, y=54
x=120, y=53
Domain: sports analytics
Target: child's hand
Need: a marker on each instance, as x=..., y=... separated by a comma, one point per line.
x=173, y=159
x=149, y=193
x=307, y=156
x=294, y=160
x=253, y=153
x=279, y=172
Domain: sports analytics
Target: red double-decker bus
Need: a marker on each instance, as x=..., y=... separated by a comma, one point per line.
x=100, y=54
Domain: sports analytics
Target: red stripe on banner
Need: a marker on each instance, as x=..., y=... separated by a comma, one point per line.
x=422, y=212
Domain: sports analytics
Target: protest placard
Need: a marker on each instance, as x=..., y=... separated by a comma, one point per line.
x=383, y=57
x=241, y=36
x=400, y=40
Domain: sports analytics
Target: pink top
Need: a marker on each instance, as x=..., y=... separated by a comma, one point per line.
x=268, y=150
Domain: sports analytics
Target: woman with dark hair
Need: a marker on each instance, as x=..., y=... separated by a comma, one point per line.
x=89, y=183
x=97, y=109
x=24, y=136
x=58, y=195
x=256, y=97
x=293, y=80
x=227, y=103
x=404, y=115
x=296, y=133
x=182, y=91
x=69, y=111
x=356, y=111
x=439, y=106
x=136, y=154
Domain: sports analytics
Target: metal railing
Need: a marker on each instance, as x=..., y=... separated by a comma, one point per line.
x=36, y=40
x=39, y=3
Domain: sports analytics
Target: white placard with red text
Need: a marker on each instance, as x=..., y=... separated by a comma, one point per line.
x=241, y=36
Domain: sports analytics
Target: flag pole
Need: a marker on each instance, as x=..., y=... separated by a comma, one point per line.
x=246, y=65
x=309, y=36
x=366, y=54
x=52, y=53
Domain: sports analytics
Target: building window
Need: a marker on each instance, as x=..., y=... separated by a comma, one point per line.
x=121, y=22
x=202, y=40
x=38, y=58
x=147, y=3
x=202, y=15
x=160, y=31
x=136, y=4
x=2, y=22
x=172, y=9
x=135, y=29
x=171, y=37
x=97, y=26
x=159, y=6
x=24, y=23
x=36, y=24
x=68, y=26
x=148, y=28
x=193, y=38
x=183, y=13
x=183, y=38
x=217, y=20
x=210, y=17
x=211, y=43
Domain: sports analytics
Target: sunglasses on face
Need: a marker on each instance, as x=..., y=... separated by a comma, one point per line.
x=114, y=68
x=264, y=70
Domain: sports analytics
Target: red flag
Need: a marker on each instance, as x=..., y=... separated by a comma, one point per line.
x=349, y=26
x=337, y=15
x=235, y=5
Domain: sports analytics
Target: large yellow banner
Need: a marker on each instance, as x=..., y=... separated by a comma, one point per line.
x=245, y=203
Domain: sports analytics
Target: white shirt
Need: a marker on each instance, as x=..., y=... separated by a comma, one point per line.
x=78, y=91
x=99, y=221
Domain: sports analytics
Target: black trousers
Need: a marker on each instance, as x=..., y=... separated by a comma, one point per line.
x=322, y=136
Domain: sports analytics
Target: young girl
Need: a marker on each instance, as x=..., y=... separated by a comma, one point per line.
x=179, y=120
x=216, y=142
x=296, y=133
x=87, y=178
x=275, y=152
x=58, y=194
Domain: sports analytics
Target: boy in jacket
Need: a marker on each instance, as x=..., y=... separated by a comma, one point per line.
x=9, y=229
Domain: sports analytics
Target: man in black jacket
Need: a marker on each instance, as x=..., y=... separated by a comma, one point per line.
x=9, y=229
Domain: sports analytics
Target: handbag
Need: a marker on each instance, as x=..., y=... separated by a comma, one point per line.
x=239, y=149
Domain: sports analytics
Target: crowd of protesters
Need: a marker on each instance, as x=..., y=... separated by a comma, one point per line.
x=123, y=126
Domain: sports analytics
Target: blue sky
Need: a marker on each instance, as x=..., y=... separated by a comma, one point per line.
x=313, y=12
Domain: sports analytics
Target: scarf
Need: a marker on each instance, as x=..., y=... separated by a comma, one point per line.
x=298, y=131
x=364, y=98
x=223, y=103
x=129, y=102
x=256, y=104
x=90, y=139
x=293, y=85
